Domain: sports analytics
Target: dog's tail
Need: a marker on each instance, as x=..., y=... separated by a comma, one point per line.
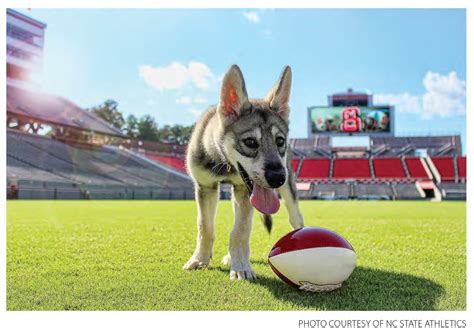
x=267, y=222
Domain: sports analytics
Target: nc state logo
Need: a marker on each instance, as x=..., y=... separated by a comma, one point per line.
x=350, y=119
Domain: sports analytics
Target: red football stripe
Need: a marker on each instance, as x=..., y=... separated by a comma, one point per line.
x=309, y=237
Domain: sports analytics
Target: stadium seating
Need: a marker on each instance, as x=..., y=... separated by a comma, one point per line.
x=45, y=168
x=330, y=191
x=453, y=191
x=174, y=162
x=416, y=168
x=376, y=190
x=461, y=161
x=295, y=164
x=388, y=168
x=407, y=191
x=434, y=146
x=36, y=158
x=347, y=168
x=445, y=167
x=314, y=169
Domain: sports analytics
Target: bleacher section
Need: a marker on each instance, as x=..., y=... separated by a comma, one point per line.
x=330, y=191
x=379, y=177
x=461, y=161
x=174, y=162
x=85, y=171
x=435, y=146
x=295, y=164
x=388, y=168
x=453, y=191
x=351, y=168
x=41, y=167
x=315, y=169
x=372, y=191
x=407, y=191
x=416, y=168
x=384, y=146
x=445, y=167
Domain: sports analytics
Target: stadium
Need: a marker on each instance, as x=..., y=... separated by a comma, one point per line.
x=352, y=154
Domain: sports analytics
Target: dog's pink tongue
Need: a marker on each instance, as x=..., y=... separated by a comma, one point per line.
x=265, y=200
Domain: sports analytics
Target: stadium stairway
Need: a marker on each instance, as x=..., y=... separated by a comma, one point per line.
x=298, y=168
x=331, y=169
x=371, y=166
x=405, y=167
x=456, y=171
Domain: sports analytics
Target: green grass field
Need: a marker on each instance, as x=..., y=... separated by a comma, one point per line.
x=127, y=255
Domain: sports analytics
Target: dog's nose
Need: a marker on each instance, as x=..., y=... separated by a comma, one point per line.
x=275, y=174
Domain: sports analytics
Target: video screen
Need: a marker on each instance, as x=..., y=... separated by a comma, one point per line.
x=350, y=119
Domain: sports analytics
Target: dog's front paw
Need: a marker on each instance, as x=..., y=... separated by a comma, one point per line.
x=242, y=271
x=243, y=275
x=195, y=263
x=226, y=260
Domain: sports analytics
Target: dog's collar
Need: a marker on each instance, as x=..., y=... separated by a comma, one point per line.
x=220, y=168
x=245, y=177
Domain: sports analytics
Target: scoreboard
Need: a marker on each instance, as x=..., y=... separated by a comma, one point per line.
x=350, y=120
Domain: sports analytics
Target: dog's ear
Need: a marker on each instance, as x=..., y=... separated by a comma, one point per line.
x=279, y=95
x=233, y=100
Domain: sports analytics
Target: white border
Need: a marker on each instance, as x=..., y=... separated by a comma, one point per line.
x=227, y=319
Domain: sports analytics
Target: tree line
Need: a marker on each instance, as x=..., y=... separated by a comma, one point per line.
x=143, y=128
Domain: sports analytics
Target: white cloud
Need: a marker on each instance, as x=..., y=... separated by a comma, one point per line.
x=403, y=102
x=195, y=112
x=200, y=100
x=445, y=95
x=200, y=75
x=184, y=100
x=251, y=16
x=177, y=75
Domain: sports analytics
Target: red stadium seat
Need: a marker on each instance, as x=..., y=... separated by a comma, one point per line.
x=416, y=168
x=295, y=163
x=388, y=168
x=445, y=167
x=351, y=168
x=462, y=167
x=315, y=169
x=174, y=162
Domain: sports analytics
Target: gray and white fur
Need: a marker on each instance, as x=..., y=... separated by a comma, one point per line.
x=243, y=142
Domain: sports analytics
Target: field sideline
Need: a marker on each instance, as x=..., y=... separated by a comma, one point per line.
x=127, y=255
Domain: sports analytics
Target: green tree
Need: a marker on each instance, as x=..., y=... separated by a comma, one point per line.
x=147, y=128
x=176, y=134
x=131, y=126
x=108, y=111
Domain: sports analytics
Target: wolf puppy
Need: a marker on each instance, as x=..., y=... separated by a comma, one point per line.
x=243, y=142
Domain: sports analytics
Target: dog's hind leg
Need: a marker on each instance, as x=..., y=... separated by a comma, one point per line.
x=207, y=198
x=239, y=242
x=290, y=196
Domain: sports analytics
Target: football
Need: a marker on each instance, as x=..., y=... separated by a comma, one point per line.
x=313, y=259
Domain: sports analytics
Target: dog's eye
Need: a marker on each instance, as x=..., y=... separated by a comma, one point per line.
x=251, y=143
x=280, y=141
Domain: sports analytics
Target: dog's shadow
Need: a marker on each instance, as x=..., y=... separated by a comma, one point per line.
x=366, y=289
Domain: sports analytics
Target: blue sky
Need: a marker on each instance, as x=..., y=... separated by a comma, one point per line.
x=168, y=63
